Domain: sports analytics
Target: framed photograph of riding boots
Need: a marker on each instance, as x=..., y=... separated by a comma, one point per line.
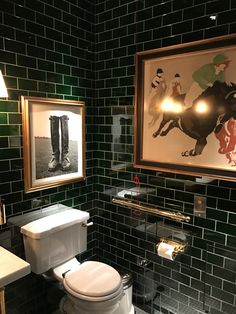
x=53, y=142
x=185, y=108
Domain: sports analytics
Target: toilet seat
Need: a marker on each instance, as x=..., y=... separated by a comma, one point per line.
x=93, y=281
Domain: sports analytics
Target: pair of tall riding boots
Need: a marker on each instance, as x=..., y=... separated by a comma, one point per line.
x=60, y=143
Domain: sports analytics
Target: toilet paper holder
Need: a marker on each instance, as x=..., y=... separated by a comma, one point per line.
x=179, y=247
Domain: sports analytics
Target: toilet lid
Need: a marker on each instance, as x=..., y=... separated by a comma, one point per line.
x=93, y=279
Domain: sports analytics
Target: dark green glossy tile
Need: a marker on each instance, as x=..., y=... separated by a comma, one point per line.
x=35, y=5
x=24, y=12
x=120, y=11
x=229, y=287
x=46, y=65
x=162, y=8
x=36, y=52
x=214, y=259
x=204, y=223
x=44, y=20
x=230, y=264
x=27, y=84
x=4, y=165
x=71, y=80
x=213, y=281
x=45, y=43
x=192, y=36
x=26, y=61
x=70, y=40
x=15, y=118
x=181, y=278
x=7, y=31
x=232, y=219
x=83, y=82
x=111, y=83
x=62, y=26
x=14, y=21
x=52, y=11
x=226, y=228
x=7, y=7
x=54, y=56
x=69, y=18
x=3, y=118
x=174, y=184
x=3, y=142
x=170, y=41
x=9, y=153
x=35, y=28
x=228, y=16
x=188, y=291
x=224, y=274
x=15, y=141
x=57, y=197
x=226, y=205
x=216, y=192
x=54, y=77
x=36, y=75
x=17, y=186
x=8, y=106
x=5, y=188
x=64, y=6
x=214, y=236
x=227, y=308
x=12, y=197
x=17, y=71
x=193, y=12
x=63, y=69
x=231, y=241
x=184, y=197
x=181, y=4
x=17, y=207
x=10, y=176
x=54, y=34
x=8, y=130
x=216, y=31
x=203, y=23
x=63, y=89
x=198, y=285
x=216, y=214
x=222, y=295
x=46, y=87
x=11, y=82
x=182, y=27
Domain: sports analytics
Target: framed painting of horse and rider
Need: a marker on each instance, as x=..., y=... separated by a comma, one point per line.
x=185, y=108
x=53, y=142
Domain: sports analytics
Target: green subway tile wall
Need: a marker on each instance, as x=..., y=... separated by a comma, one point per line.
x=46, y=50
x=85, y=50
x=196, y=281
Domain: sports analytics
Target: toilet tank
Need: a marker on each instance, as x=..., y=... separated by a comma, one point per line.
x=54, y=239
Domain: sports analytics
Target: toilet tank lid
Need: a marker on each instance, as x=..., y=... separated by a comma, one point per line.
x=43, y=227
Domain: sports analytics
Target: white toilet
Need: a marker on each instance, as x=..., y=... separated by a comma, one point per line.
x=52, y=242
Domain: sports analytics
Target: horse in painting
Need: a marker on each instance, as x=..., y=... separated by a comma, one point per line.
x=220, y=106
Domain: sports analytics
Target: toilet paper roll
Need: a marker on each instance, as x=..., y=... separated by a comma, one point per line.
x=166, y=250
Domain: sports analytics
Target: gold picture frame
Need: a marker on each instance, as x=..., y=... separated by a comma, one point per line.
x=185, y=108
x=53, y=142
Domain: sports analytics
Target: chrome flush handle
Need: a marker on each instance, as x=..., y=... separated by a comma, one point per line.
x=85, y=224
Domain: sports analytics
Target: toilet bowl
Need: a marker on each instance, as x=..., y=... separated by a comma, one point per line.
x=52, y=242
x=91, y=287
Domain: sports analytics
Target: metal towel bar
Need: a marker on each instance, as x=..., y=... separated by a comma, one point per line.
x=178, y=216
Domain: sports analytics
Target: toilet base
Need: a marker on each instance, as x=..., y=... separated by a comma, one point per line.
x=66, y=306
x=131, y=310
